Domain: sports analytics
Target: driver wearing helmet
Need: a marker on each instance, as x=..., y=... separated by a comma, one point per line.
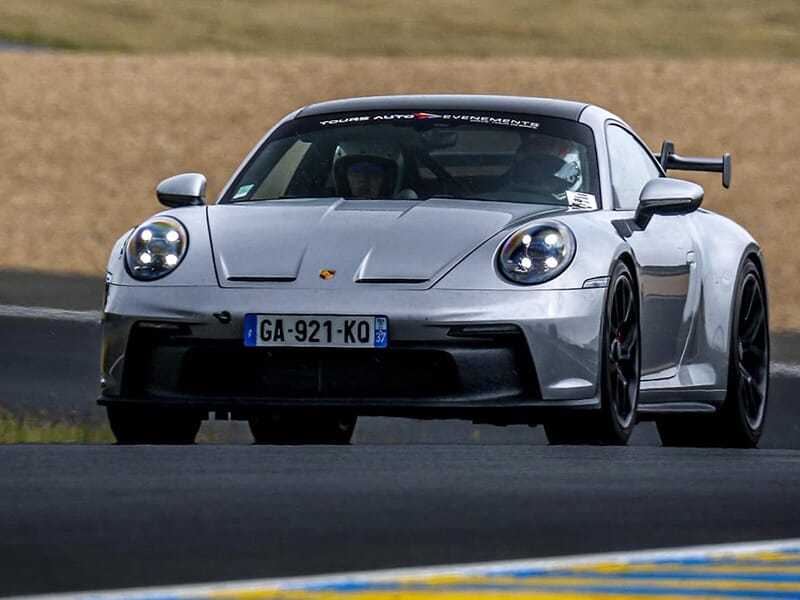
x=546, y=165
x=369, y=169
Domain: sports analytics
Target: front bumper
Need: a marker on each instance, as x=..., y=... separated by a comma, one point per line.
x=450, y=351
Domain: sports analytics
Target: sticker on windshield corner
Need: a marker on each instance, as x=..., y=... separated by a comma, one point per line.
x=243, y=191
x=581, y=200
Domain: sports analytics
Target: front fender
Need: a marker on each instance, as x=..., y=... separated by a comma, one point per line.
x=197, y=267
x=598, y=248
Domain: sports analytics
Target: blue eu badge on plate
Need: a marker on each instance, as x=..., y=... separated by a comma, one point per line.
x=381, y=332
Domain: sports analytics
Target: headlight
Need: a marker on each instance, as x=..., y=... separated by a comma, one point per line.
x=156, y=248
x=537, y=253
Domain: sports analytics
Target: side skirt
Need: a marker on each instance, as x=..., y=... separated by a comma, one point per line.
x=653, y=403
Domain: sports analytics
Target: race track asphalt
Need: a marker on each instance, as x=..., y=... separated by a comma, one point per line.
x=96, y=517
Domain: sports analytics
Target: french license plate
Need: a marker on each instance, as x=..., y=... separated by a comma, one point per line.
x=316, y=330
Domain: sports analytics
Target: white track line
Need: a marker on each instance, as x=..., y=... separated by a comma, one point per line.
x=53, y=314
x=785, y=369
x=206, y=590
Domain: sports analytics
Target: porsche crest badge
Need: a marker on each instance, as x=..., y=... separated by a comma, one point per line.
x=327, y=273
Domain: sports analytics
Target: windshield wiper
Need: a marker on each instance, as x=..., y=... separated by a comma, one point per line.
x=455, y=197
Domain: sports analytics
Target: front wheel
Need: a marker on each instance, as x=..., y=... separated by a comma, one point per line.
x=619, y=373
x=302, y=427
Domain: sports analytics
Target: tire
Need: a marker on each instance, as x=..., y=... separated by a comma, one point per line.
x=299, y=427
x=153, y=425
x=739, y=423
x=619, y=373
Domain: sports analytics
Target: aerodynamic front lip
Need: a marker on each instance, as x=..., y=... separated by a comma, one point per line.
x=436, y=407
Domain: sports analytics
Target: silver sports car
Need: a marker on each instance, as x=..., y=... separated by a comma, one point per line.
x=500, y=259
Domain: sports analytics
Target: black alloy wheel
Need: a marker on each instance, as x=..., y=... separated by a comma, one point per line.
x=619, y=374
x=302, y=427
x=740, y=421
x=153, y=425
x=748, y=378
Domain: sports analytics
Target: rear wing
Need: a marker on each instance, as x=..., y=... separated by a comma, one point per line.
x=670, y=160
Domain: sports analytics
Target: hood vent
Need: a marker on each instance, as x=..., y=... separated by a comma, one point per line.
x=262, y=279
x=391, y=280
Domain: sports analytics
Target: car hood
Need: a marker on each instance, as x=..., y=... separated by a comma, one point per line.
x=357, y=241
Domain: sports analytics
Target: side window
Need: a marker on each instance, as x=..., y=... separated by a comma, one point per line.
x=632, y=167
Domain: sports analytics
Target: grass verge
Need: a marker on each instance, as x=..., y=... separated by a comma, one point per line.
x=521, y=28
x=45, y=428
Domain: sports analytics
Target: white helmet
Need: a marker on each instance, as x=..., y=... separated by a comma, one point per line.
x=548, y=163
x=376, y=152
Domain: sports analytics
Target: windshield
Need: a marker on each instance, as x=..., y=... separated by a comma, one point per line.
x=416, y=155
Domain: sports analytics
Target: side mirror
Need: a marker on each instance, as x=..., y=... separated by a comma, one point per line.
x=665, y=196
x=188, y=189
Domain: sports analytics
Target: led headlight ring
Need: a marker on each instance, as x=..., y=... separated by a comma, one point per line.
x=156, y=248
x=536, y=253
